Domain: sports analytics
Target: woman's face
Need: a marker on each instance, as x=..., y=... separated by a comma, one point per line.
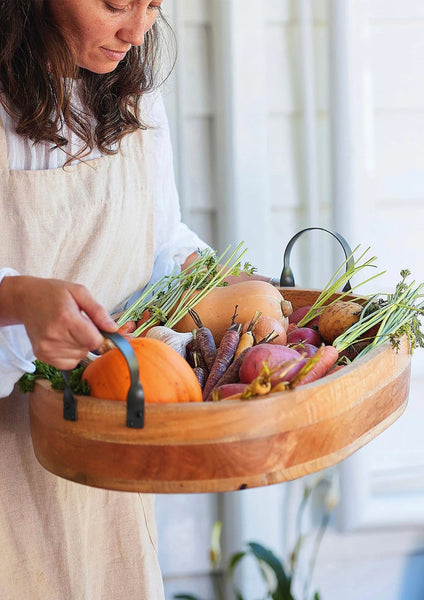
x=101, y=32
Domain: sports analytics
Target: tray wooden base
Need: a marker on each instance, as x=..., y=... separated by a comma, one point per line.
x=225, y=446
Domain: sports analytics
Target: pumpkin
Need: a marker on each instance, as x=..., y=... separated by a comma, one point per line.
x=217, y=308
x=164, y=374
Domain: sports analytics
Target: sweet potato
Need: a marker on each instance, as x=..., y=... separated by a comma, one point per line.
x=276, y=358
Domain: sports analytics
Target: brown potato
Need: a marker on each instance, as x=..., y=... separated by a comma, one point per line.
x=336, y=318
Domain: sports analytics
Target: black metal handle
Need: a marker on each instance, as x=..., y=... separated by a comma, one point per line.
x=287, y=277
x=135, y=396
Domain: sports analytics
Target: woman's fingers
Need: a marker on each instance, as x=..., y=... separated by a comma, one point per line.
x=62, y=319
x=94, y=311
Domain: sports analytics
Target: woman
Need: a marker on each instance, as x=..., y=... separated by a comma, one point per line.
x=88, y=210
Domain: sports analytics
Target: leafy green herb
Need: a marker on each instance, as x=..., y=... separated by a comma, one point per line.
x=394, y=315
x=44, y=371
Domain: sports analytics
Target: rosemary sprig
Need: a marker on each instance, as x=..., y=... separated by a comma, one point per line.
x=344, y=273
x=170, y=298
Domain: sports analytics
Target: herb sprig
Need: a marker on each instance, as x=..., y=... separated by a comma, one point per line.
x=44, y=371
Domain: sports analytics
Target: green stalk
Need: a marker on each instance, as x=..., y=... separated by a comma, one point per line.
x=396, y=315
x=343, y=274
x=178, y=293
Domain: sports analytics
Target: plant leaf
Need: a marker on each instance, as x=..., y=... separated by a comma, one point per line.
x=234, y=561
x=264, y=555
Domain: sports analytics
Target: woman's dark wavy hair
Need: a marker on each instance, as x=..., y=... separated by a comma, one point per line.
x=35, y=63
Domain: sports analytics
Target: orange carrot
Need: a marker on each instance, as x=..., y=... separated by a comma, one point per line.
x=246, y=341
x=323, y=359
x=335, y=368
x=127, y=327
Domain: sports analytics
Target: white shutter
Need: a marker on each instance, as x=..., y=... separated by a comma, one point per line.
x=381, y=176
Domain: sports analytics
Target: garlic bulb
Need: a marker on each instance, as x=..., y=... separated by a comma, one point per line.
x=177, y=341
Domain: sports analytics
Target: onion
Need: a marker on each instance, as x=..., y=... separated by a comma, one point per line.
x=265, y=326
x=177, y=341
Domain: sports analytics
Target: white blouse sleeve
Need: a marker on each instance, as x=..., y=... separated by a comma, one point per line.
x=174, y=241
x=16, y=353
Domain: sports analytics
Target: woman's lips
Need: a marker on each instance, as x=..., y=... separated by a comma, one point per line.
x=114, y=55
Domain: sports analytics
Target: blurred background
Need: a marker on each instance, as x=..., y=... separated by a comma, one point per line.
x=288, y=114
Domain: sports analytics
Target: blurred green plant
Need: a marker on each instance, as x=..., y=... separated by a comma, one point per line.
x=280, y=577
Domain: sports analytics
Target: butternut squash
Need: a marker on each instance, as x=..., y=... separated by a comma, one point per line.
x=217, y=308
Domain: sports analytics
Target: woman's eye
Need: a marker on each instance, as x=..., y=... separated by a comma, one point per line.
x=114, y=9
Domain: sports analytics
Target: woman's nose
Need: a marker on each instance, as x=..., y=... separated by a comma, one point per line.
x=133, y=32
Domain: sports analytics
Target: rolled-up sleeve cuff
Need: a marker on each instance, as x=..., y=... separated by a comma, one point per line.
x=16, y=354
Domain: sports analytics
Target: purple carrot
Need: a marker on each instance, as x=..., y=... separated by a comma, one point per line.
x=200, y=369
x=224, y=357
x=231, y=374
x=205, y=342
x=201, y=375
x=198, y=359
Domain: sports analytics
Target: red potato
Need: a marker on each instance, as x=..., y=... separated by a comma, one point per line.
x=299, y=313
x=304, y=335
x=307, y=350
x=327, y=358
x=275, y=357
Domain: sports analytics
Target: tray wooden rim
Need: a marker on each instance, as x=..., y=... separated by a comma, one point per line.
x=178, y=437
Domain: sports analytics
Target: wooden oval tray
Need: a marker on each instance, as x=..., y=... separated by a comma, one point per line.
x=228, y=445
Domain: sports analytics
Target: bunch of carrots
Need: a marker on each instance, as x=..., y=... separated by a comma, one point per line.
x=244, y=367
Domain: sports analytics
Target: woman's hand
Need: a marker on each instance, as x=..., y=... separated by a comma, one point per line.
x=62, y=319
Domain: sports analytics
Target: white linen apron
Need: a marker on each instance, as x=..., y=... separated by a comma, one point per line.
x=90, y=223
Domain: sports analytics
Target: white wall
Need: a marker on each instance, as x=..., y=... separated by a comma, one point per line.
x=276, y=130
